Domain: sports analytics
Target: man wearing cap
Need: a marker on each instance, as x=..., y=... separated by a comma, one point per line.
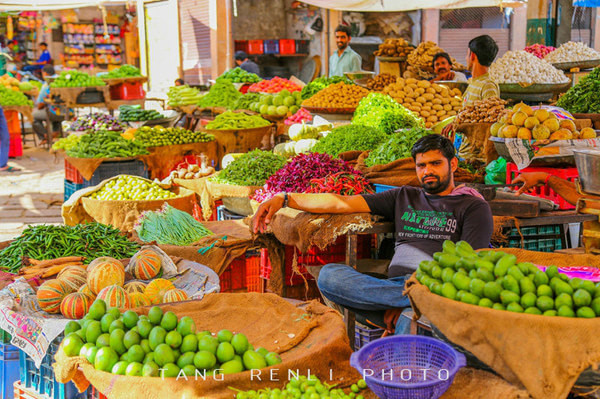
x=241, y=60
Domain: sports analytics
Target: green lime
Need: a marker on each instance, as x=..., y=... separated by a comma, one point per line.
x=447, y=275
x=189, y=344
x=72, y=345
x=204, y=360
x=586, y=312
x=498, y=306
x=224, y=336
x=97, y=310
x=239, y=343
x=186, y=326
x=119, y=368
x=169, y=321
x=449, y=291
x=544, y=290
x=272, y=359
x=149, y=357
x=476, y=287
x=544, y=303
x=526, y=285
x=507, y=297
x=84, y=349
x=262, y=351
x=510, y=283
x=134, y=369
x=460, y=294
x=552, y=271
x=514, y=307
x=136, y=354
x=170, y=370
x=208, y=343
x=105, y=359
x=492, y=290
x=565, y=311
x=145, y=344
x=563, y=299
x=163, y=354
x=470, y=298
x=157, y=336
x=232, y=367
x=185, y=359
x=254, y=360
x=528, y=300
x=575, y=283
x=225, y=352
x=130, y=319
x=533, y=310
x=550, y=313
x=189, y=370
x=115, y=312
x=155, y=315
x=540, y=278
x=106, y=321
x=116, y=341
x=582, y=298
x=131, y=338
x=595, y=305
x=173, y=339
x=71, y=326
x=486, y=302
x=144, y=327
x=589, y=287
x=103, y=340
x=150, y=369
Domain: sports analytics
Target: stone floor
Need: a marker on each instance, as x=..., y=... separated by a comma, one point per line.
x=32, y=196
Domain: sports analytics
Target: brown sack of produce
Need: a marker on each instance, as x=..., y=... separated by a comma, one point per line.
x=476, y=145
x=398, y=173
x=312, y=337
x=542, y=354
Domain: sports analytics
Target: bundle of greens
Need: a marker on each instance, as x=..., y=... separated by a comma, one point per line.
x=397, y=146
x=170, y=226
x=583, y=98
x=238, y=75
x=384, y=113
x=243, y=102
x=320, y=83
x=222, y=94
x=349, y=138
x=251, y=169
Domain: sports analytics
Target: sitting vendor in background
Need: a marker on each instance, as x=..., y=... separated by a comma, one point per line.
x=242, y=61
x=424, y=218
x=480, y=55
x=442, y=67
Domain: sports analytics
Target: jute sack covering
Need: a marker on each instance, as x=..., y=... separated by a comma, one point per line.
x=163, y=159
x=312, y=337
x=470, y=383
x=87, y=166
x=119, y=214
x=351, y=157
x=398, y=173
x=544, y=355
x=199, y=187
x=476, y=145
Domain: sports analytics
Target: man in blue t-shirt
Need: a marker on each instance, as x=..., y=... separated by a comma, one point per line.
x=424, y=218
x=44, y=59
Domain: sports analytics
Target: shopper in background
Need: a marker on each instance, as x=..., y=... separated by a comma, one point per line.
x=45, y=59
x=45, y=111
x=442, y=67
x=241, y=60
x=480, y=55
x=179, y=82
x=5, y=145
x=344, y=59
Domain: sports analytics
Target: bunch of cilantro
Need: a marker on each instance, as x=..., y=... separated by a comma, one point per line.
x=397, y=146
x=382, y=112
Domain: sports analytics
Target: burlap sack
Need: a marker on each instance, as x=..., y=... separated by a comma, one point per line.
x=244, y=140
x=351, y=157
x=120, y=214
x=544, y=355
x=199, y=187
x=87, y=166
x=476, y=145
x=470, y=383
x=398, y=173
x=309, y=337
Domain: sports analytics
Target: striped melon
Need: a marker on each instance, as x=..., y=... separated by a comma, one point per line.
x=51, y=293
x=84, y=289
x=137, y=299
x=75, y=305
x=157, y=288
x=105, y=274
x=175, y=295
x=73, y=276
x=146, y=264
x=103, y=260
x=114, y=296
x=135, y=286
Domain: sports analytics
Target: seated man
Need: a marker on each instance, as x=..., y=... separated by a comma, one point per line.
x=424, y=217
x=41, y=114
x=44, y=59
x=442, y=67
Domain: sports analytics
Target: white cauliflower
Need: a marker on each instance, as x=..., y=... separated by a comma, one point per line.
x=523, y=67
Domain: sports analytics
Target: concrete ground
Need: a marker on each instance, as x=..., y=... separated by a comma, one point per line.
x=32, y=196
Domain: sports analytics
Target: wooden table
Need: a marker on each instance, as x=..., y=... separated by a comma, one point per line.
x=545, y=219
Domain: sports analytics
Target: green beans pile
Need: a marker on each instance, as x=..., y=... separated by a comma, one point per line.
x=106, y=144
x=44, y=242
x=221, y=94
x=236, y=120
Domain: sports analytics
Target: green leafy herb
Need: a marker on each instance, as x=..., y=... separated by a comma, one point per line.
x=251, y=169
x=170, y=226
x=384, y=113
x=222, y=94
x=583, y=98
x=397, y=146
x=349, y=138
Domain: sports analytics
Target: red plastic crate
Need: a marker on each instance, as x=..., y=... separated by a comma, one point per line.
x=197, y=212
x=287, y=46
x=545, y=191
x=12, y=120
x=253, y=280
x=234, y=277
x=241, y=45
x=127, y=91
x=93, y=393
x=15, y=148
x=256, y=47
x=72, y=174
x=335, y=253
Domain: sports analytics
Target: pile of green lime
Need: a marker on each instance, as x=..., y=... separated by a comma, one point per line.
x=305, y=387
x=279, y=104
x=494, y=279
x=158, y=345
x=131, y=188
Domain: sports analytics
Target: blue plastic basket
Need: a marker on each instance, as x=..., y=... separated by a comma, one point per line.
x=393, y=366
x=70, y=189
x=9, y=369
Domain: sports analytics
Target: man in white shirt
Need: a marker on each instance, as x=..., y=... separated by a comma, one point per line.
x=442, y=67
x=344, y=59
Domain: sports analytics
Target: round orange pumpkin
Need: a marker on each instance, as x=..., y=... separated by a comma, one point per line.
x=175, y=295
x=105, y=274
x=73, y=276
x=137, y=299
x=75, y=305
x=51, y=293
x=115, y=297
x=146, y=264
x=157, y=288
x=135, y=286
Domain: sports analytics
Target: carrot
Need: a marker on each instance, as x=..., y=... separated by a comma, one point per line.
x=58, y=261
x=41, y=269
x=54, y=270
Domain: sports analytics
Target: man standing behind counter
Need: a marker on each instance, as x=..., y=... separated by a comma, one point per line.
x=344, y=59
x=480, y=55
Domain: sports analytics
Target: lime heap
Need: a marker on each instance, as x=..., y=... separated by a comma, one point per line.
x=10, y=97
x=494, y=279
x=131, y=188
x=133, y=345
x=158, y=136
x=305, y=387
x=76, y=79
x=279, y=104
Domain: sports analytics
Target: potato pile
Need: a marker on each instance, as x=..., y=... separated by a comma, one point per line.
x=379, y=82
x=489, y=110
x=339, y=95
x=394, y=48
x=524, y=123
x=432, y=102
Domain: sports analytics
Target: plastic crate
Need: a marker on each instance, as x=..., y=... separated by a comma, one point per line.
x=72, y=174
x=20, y=392
x=255, y=47
x=9, y=369
x=271, y=46
x=13, y=122
x=537, y=238
x=110, y=169
x=242, y=275
x=335, y=253
x=302, y=46
x=253, y=280
x=127, y=91
x=70, y=188
x=365, y=334
x=287, y=46
x=380, y=188
x=42, y=380
x=15, y=148
x=224, y=214
x=93, y=393
x=241, y=45
x=545, y=191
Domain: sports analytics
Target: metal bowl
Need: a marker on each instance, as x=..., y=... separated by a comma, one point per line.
x=360, y=75
x=453, y=84
x=586, y=64
x=588, y=164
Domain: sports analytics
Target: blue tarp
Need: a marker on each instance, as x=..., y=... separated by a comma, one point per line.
x=586, y=3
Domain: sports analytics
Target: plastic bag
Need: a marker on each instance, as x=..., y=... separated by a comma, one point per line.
x=495, y=172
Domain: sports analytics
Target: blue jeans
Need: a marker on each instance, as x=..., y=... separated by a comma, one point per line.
x=4, y=139
x=365, y=295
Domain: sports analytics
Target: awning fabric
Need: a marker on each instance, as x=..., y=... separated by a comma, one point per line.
x=43, y=5
x=406, y=5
